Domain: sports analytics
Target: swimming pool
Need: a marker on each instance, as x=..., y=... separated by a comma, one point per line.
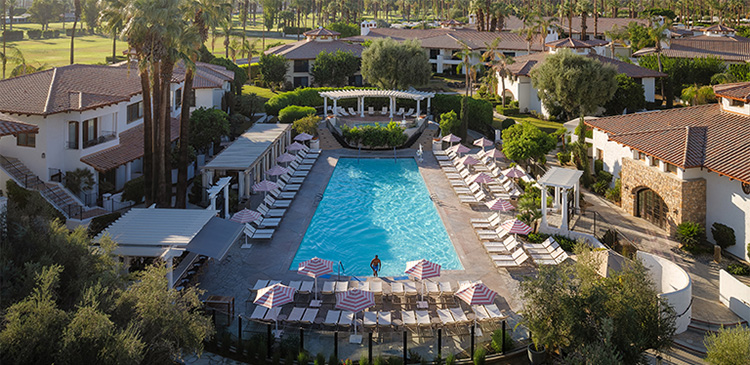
x=377, y=207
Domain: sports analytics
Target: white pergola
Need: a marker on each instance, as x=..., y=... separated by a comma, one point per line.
x=562, y=180
x=361, y=94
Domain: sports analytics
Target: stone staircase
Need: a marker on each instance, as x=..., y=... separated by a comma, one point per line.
x=60, y=198
x=692, y=339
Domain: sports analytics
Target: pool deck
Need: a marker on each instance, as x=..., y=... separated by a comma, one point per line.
x=271, y=259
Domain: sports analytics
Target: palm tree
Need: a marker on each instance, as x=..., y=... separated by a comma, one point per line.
x=542, y=25
x=23, y=67
x=615, y=34
x=77, y=10
x=111, y=16
x=226, y=31
x=567, y=8
x=584, y=7
x=498, y=62
x=529, y=30
x=658, y=35
x=467, y=65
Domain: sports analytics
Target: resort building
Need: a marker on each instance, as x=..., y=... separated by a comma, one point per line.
x=603, y=24
x=519, y=86
x=88, y=117
x=715, y=41
x=301, y=55
x=686, y=164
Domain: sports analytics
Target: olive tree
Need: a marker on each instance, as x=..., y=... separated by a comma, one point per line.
x=334, y=68
x=728, y=346
x=393, y=65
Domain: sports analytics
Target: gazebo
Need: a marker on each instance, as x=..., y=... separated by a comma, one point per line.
x=361, y=94
x=562, y=180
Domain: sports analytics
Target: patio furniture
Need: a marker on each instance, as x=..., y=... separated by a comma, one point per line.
x=332, y=318
x=296, y=315
x=370, y=110
x=445, y=288
x=384, y=111
x=397, y=289
x=343, y=112
x=254, y=233
x=370, y=319
x=409, y=112
x=400, y=111
x=494, y=312
x=328, y=287
x=408, y=318
x=306, y=287
x=272, y=315
x=260, y=284
x=384, y=319
x=258, y=313
x=351, y=111
x=341, y=286
x=346, y=319
x=446, y=318
x=273, y=203
x=480, y=312
x=268, y=223
x=459, y=315
x=433, y=288
x=309, y=316
x=295, y=284
x=516, y=258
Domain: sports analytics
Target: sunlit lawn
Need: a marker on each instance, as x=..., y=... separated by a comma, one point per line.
x=545, y=125
x=260, y=91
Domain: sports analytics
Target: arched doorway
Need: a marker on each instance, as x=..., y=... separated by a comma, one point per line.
x=651, y=207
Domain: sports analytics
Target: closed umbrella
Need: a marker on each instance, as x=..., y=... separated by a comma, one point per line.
x=265, y=186
x=355, y=300
x=276, y=170
x=422, y=269
x=516, y=227
x=275, y=296
x=500, y=205
x=315, y=267
x=296, y=146
x=483, y=142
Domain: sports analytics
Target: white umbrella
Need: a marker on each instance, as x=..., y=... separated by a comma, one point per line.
x=451, y=138
x=275, y=296
x=459, y=149
x=500, y=205
x=422, y=269
x=303, y=137
x=496, y=153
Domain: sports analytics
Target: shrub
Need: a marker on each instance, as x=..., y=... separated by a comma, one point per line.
x=691, y=233
x=293, y=112
x=52, y=33
x=507, y=110
x=12, y=35
x=320, y=359
x=723, y=235
x=308, y=124
x=613, y=194
x=537, y=237
x=34, y=33
x=303, y=358
x=379, y=360
x=728, y=346
x=375, y=136
x=333, y=360
x=738, y=269
x=450, y=359
x=449, y=123
x=108, y=59
x=134, y=190
x=600, y=187
x=610, y=238
x=604, y=176
x=480, y=356
x=598, y=166
x=479, y=111
x=507, y=123
x=248, y=105
x=363, y=360
x=497, y=341
x=101, y=222
x=566, y=243
x=563, y=158
x=414, y=357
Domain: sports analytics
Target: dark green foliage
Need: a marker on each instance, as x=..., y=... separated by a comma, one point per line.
x=738, y=269
x=450, y=359
x=638, y=36
x=78, y=180
x=240, y=76
x=507, y=123
x=346, y=29
x=320, y=359
x=207, y=126
x=598, y=166
x=610, y=238
x=449, y=123
x=333, y=360
x=101, y=222
x=507, y=110
x=613, y=193
x=497, y=340
x=600, y=187
x=629, y=95
x=414, y=357
x=723, y=235
x=34, y=33
x=52, y=33
x=307, y=124
x=196, y=192
x=389, y=64
x=480, y=356
x=295, y=30
x=334, y=69
x=205, y=55
x=293, y=112
x=536, y=237
x=303, y=358
x=248, y=105
x=525, y=141
x=602, y=175
x=691, y=234
x=566, y=243
x=375, y=136
x=683, y=72
x=479, y=112
x=272, y=69
x=304, y=97
x=13, y=35
x=563, y=157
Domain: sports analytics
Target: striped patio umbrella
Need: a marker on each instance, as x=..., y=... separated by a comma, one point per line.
x=500, y=205
x=273, y=296
x=315, y=267
x=276, y=170
x=476, y=294
x=496, y=153
x=246, y=216
x=296, y=146
x=452, y=139
x=303, y=137
x=514, y=171
x=422, y=269
x=483, y=142
x=469, y=160
x=459, y=149
x=265, y=186
x=481, y=178
x=355, y=300
x=515, y=226
x=285, y=158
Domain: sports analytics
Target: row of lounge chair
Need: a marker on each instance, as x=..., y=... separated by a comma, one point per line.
x=470, y=192
x=377, y=287
x=274, y=205
x=371, y=111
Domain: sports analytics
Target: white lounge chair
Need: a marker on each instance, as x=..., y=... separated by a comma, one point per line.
x=352, y=111
x=343, y=112
x=384, y=111
x=296, y=315
x=480, y=313
x=423, y=318
x=400, y=111
x=370, y=319
x=309, y=316
x=263, y=234
x=409, y=112
x=272, y=213
x=272, y=315
x=516, y=258
x=289, y=179
x=408, y=318
x=328, y=287
x=433, y=288
x=259, y=313
x=397, y=289
x=410, y=288
x=268, y=223
x=346, y=319
x=278, y=194
x=445, y=288
x=485, y=220
x=341, y=286
x=445, y=317
x=306, y=287
x=260, y=284
x=332, y=318
x=370, y=110
x=494, y=312
x=274, y=203
x=459, y=315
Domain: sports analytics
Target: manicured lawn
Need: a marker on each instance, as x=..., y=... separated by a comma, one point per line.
x=260, y=91
x=545, y=125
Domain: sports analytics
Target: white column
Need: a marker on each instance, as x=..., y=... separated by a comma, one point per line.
x=170, y=278
x=556, y=201
x=392, y=106
x=226, y=201
x=128, y=171
x=240, y=184
x=577, y=192
x=544, y=205
x=362, y=107
x=325, y=106
x=564, y=223
x=427, y=111
x=419, y=102
x=335, y=108
x=248, y=182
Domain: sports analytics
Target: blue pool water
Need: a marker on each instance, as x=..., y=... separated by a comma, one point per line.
x=377, y=207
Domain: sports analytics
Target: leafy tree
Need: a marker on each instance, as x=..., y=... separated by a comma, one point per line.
x=729, y=346
x=638, y=35
x=45, y=11
x=90, y=14
x=346, y=29
x=334, y=69
x=449, y=123
x=307, y=124
x=693, y=95
x=393, y=65
x=272, y=69
x=525, y=141
x=240, y=76
x=682, y=72
x=628, y=96
x=79, y=179
x=271, y=10
x=207, y=126
x=576, y=84
x=571, y=308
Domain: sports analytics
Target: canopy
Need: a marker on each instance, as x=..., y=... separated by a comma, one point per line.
x=469, y=160
x=495, y=153
x=451, y=138
x=296, y=146
x=276, y=170
x=356, y=93
x=422, y=269
x=215, y=239
x=515, y=226
x=483, y=142
x=459, y=148
x=476, y=294
x=514, y=171
x=265, y=185
x=246, y=216
x=355, y=300
x=315, y=267
x=501, y=205
x=482, y=178
x=274, y=296
x=303, y=137
x=286, y=157
x=560, y=177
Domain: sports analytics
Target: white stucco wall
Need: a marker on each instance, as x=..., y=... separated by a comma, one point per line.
x=673, y=283
x=613, y=152
x=734, y=294
x=649, y=88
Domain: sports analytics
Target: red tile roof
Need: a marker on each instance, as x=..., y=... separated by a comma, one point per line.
x=727, y=48
x=129, y=149
x=308, y=50
x=12, y=126
x=700, y=136
x=524, y=64
x=575, y=43
x=448, y=38
x=737, y=91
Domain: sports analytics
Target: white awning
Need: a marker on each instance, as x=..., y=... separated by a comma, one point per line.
x=560, y=177
x=247, y=149
x=216, y=237
x=356, y=93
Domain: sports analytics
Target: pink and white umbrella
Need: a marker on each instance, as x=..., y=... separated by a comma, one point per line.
x=476, y=294
x=514, y=171
x=276, y=170
x=422, y=269
x=303, y=137
x=500, y=205
x=496, y=153
x=265, y=186
x=459, y=149
x=469, y=161
x=296, y=146
x=246, y=216
x=483, y=142
x=355, y=300
x=451, y=138
x=274, y=296
x=516, y=227
x=315, y=267
x=481, y=178
x=286, y=158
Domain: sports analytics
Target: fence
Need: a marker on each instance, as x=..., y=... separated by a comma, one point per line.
x=593, y=223
x=250, y=340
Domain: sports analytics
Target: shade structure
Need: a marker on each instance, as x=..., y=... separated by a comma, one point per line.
x=422, y=269
x=246, y=216
x=481, y=178
x=315, y=267
x=476, y=294
x=451, y=138
x=515, y=171
x=495, y=153
x=469, y=160
x=276, y=170
x=274, y=296
x=500, y=205
x=515, y=226
x=459, y=149
x=285, y=158
x=265, y=186
x=296, y=146
x=303, y=137
x=483, y=142
x=355, y=300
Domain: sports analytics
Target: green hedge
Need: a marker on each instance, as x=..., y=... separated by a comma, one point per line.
x=305, y=97
x=294, y=112
x=507, y=110
x=101, y=223
x=34, y=33
x=13, y=35
x=52, y=33
x=391, y=135
x=480, y=111
x=134, y=190
x=293, y=30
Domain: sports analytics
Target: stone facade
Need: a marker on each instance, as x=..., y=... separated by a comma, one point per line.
x=685, y=199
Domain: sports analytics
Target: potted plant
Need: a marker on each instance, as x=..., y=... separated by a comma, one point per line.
x=537, y=352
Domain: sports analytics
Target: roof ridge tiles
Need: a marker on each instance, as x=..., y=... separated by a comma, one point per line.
x=49, y=91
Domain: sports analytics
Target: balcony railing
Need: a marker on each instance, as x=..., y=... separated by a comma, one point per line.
x=105, y=136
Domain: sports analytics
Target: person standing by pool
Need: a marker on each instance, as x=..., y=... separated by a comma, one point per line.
x=375, y=266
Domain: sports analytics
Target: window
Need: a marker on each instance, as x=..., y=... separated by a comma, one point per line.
x=177, y=98
x=671, y=168
x=434, y=53
x=654, y=161
x=90, y=132
x=737, y=103
x=641, y=156
x=192, y=98
x=509, y=54
x=301, y=66
x=599, y=154
x=26, y=139
x=300, y=82
x=135, y=111
x=73, y=135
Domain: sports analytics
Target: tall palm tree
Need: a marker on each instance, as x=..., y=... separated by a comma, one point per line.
x=77, y=12
x=498, y=62
x=567, y=9
x=529, y=29
x=542, y=25
x=584, y=7
x=467, y=64
x=658, y=35
x=616, y=34
x=111, y=16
